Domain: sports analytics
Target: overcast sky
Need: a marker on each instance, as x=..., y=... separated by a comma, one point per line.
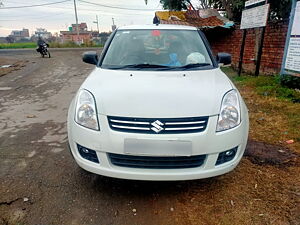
x=59, y=16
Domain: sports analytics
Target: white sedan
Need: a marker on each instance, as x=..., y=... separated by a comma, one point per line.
x=157, y=107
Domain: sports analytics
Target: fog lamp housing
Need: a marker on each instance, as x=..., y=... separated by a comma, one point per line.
x=226, y=156
x=87, y=154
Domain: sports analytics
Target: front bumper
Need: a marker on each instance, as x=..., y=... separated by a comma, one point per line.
x=208, y=142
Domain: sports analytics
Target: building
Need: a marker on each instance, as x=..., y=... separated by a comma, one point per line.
x=71, y=36
x=18, y=35
x=3, y=40
x=81, y=26
x=79, y=37
x=43, y=33
x=203, y=18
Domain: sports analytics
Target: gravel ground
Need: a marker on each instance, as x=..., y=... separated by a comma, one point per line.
x=41, y=184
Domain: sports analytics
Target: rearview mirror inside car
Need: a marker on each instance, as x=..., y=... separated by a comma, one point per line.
x=223, y=58
x=90, y=57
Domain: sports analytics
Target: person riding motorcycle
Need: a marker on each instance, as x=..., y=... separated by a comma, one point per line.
x=40, y=44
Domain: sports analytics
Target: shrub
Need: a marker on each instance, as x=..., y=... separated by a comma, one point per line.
x=290, y=81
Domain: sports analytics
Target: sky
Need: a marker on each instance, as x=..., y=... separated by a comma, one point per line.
x=59, y=17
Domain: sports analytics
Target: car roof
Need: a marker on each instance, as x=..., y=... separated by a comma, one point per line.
x=157, y=27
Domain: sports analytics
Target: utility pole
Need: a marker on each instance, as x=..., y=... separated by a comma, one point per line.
x=97, y=22
x=76, y=17
x=113, y=20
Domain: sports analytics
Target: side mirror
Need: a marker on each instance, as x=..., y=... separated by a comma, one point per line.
x=90, y=57
x=223, y=58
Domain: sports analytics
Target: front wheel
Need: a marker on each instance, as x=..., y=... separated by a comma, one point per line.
x=48, y=54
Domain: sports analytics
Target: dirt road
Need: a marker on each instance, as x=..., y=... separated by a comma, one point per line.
x=40, y=184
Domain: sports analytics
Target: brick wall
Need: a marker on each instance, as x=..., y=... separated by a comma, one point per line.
x=229, y=41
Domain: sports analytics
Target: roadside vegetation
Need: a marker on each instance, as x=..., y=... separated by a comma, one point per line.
x=264, y=188
x=52, y=45
x=17, y=45
x=73, y=45
x=274, y=86
x=274, y=107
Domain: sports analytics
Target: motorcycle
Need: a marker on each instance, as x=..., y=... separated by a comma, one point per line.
x=43, y=50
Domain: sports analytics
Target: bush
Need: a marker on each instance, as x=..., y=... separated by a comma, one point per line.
x=271, y=86
x=72, y=44
x=290, y=81
x=280, y=92
x=68, y=44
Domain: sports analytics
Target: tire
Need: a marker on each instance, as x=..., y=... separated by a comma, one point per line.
x=48, y=54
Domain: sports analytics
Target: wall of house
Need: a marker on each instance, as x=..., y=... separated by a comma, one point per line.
x=230, y=41
x=73, y=37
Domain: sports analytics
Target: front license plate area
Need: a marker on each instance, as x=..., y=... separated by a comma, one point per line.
x=157, y=147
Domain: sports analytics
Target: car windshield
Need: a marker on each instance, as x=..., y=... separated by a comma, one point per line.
x=157, y=49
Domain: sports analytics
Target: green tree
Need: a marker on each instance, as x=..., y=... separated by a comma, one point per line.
x=279, y=10
x=174, y=4
x=233, y=8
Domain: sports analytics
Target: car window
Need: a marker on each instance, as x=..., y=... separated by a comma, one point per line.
x=169, y=48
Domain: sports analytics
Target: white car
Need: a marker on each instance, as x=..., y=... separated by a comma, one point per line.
x=157, y=107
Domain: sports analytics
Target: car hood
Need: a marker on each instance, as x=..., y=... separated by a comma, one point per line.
x=157, y=94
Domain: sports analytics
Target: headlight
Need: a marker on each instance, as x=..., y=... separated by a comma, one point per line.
x=86, y=114
x=230, y=113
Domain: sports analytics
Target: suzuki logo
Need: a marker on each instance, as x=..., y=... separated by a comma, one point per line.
x=157, y=126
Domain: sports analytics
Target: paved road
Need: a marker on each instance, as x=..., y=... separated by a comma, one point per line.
x=40, y=184
x=36, y=164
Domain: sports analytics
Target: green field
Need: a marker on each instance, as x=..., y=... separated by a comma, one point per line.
x=18, y=45
x=52, y=45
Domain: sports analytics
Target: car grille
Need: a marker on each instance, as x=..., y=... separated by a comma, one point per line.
x=158, y=126
x=151, y=162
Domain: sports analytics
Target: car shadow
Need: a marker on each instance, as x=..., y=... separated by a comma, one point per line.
x=124, y=187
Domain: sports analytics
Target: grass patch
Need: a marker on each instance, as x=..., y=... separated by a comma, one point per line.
x=273, y=109
x=52, y=45
x=73, y=45
x=17, y=45
x=265, y=85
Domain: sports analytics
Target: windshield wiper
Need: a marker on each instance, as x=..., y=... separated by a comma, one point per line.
x=188, y=66
x=163, y=67
x=140, y=66
x=194, y=65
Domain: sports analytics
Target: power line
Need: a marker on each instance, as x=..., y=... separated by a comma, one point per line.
x=22, y=17
x=109, y=13
x=30, y=6
x=36, y=18
x=101, y=11
x=80, y=9
x=115, y=7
